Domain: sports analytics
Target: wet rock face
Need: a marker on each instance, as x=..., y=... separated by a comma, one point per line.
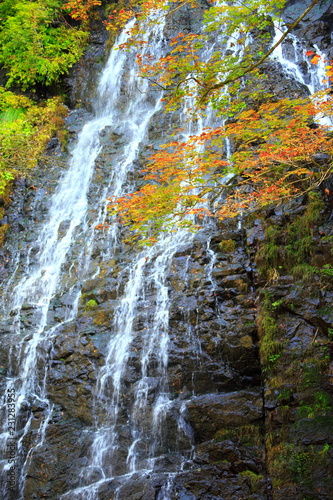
x=80, y=84
x=295, y=311
x=74, y=358
x=213, y=367
x=316, y=28
x=53, y=467
x=210, y=413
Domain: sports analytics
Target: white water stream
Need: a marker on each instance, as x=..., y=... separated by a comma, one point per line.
x=147, y=288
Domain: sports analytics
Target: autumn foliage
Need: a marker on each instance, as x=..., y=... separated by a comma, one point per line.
x=80, y=9
x=281, y=153
x=280, y=149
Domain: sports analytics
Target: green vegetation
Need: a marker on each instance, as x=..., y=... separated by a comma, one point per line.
x=39, y=42
x=227, y=246
x=253, y=478
x=25, y=129
x=270, y=341
x=102, y=318
x=327, y=270
x=36, y=44
x=296, y=382
x=321, y=404
x=291, y=464
x=246, y=435
x=91, y=304
x=289, y=248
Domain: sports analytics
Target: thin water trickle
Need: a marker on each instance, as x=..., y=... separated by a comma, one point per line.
x=291, y=54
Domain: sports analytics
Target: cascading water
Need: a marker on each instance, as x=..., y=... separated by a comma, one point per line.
x=147, y=281
x=146, y=288
x=291, y=55
x=69, y=226
x=69, y=209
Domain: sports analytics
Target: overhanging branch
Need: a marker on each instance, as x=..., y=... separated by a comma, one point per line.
x=264, y=57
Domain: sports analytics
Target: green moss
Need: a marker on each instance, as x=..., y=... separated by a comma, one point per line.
x=321, y=405
x=325, y=311
x=87, y=296
x=269, y=253
x=253, y=478
x=246, y=435
x=313, y=369
x=101, y=318
x=224, y=434
x=311, y=374
x=309, y=426
x=303, y=271
x=91, y=304
x=327, y=270
x=270, y=346
x=293, y=464
x=3, y=231
x=277, y=304
x=303, y=463
x=284, y=394
x=227, y=246
x=290, y=247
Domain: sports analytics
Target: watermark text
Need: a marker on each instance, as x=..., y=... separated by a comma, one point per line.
x=11, y=445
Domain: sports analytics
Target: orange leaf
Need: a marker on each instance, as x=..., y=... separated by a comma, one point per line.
x=315, y=59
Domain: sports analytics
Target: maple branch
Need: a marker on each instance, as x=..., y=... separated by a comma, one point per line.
x=221, y=189
x=174, y=87
x=264, y=57
x=188, y=78
x=174, y=9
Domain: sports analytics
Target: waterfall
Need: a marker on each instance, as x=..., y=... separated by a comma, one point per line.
x=291, y=54
x=147, y=289
x=69, y=226
x=127, y=436
x=62, y=261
